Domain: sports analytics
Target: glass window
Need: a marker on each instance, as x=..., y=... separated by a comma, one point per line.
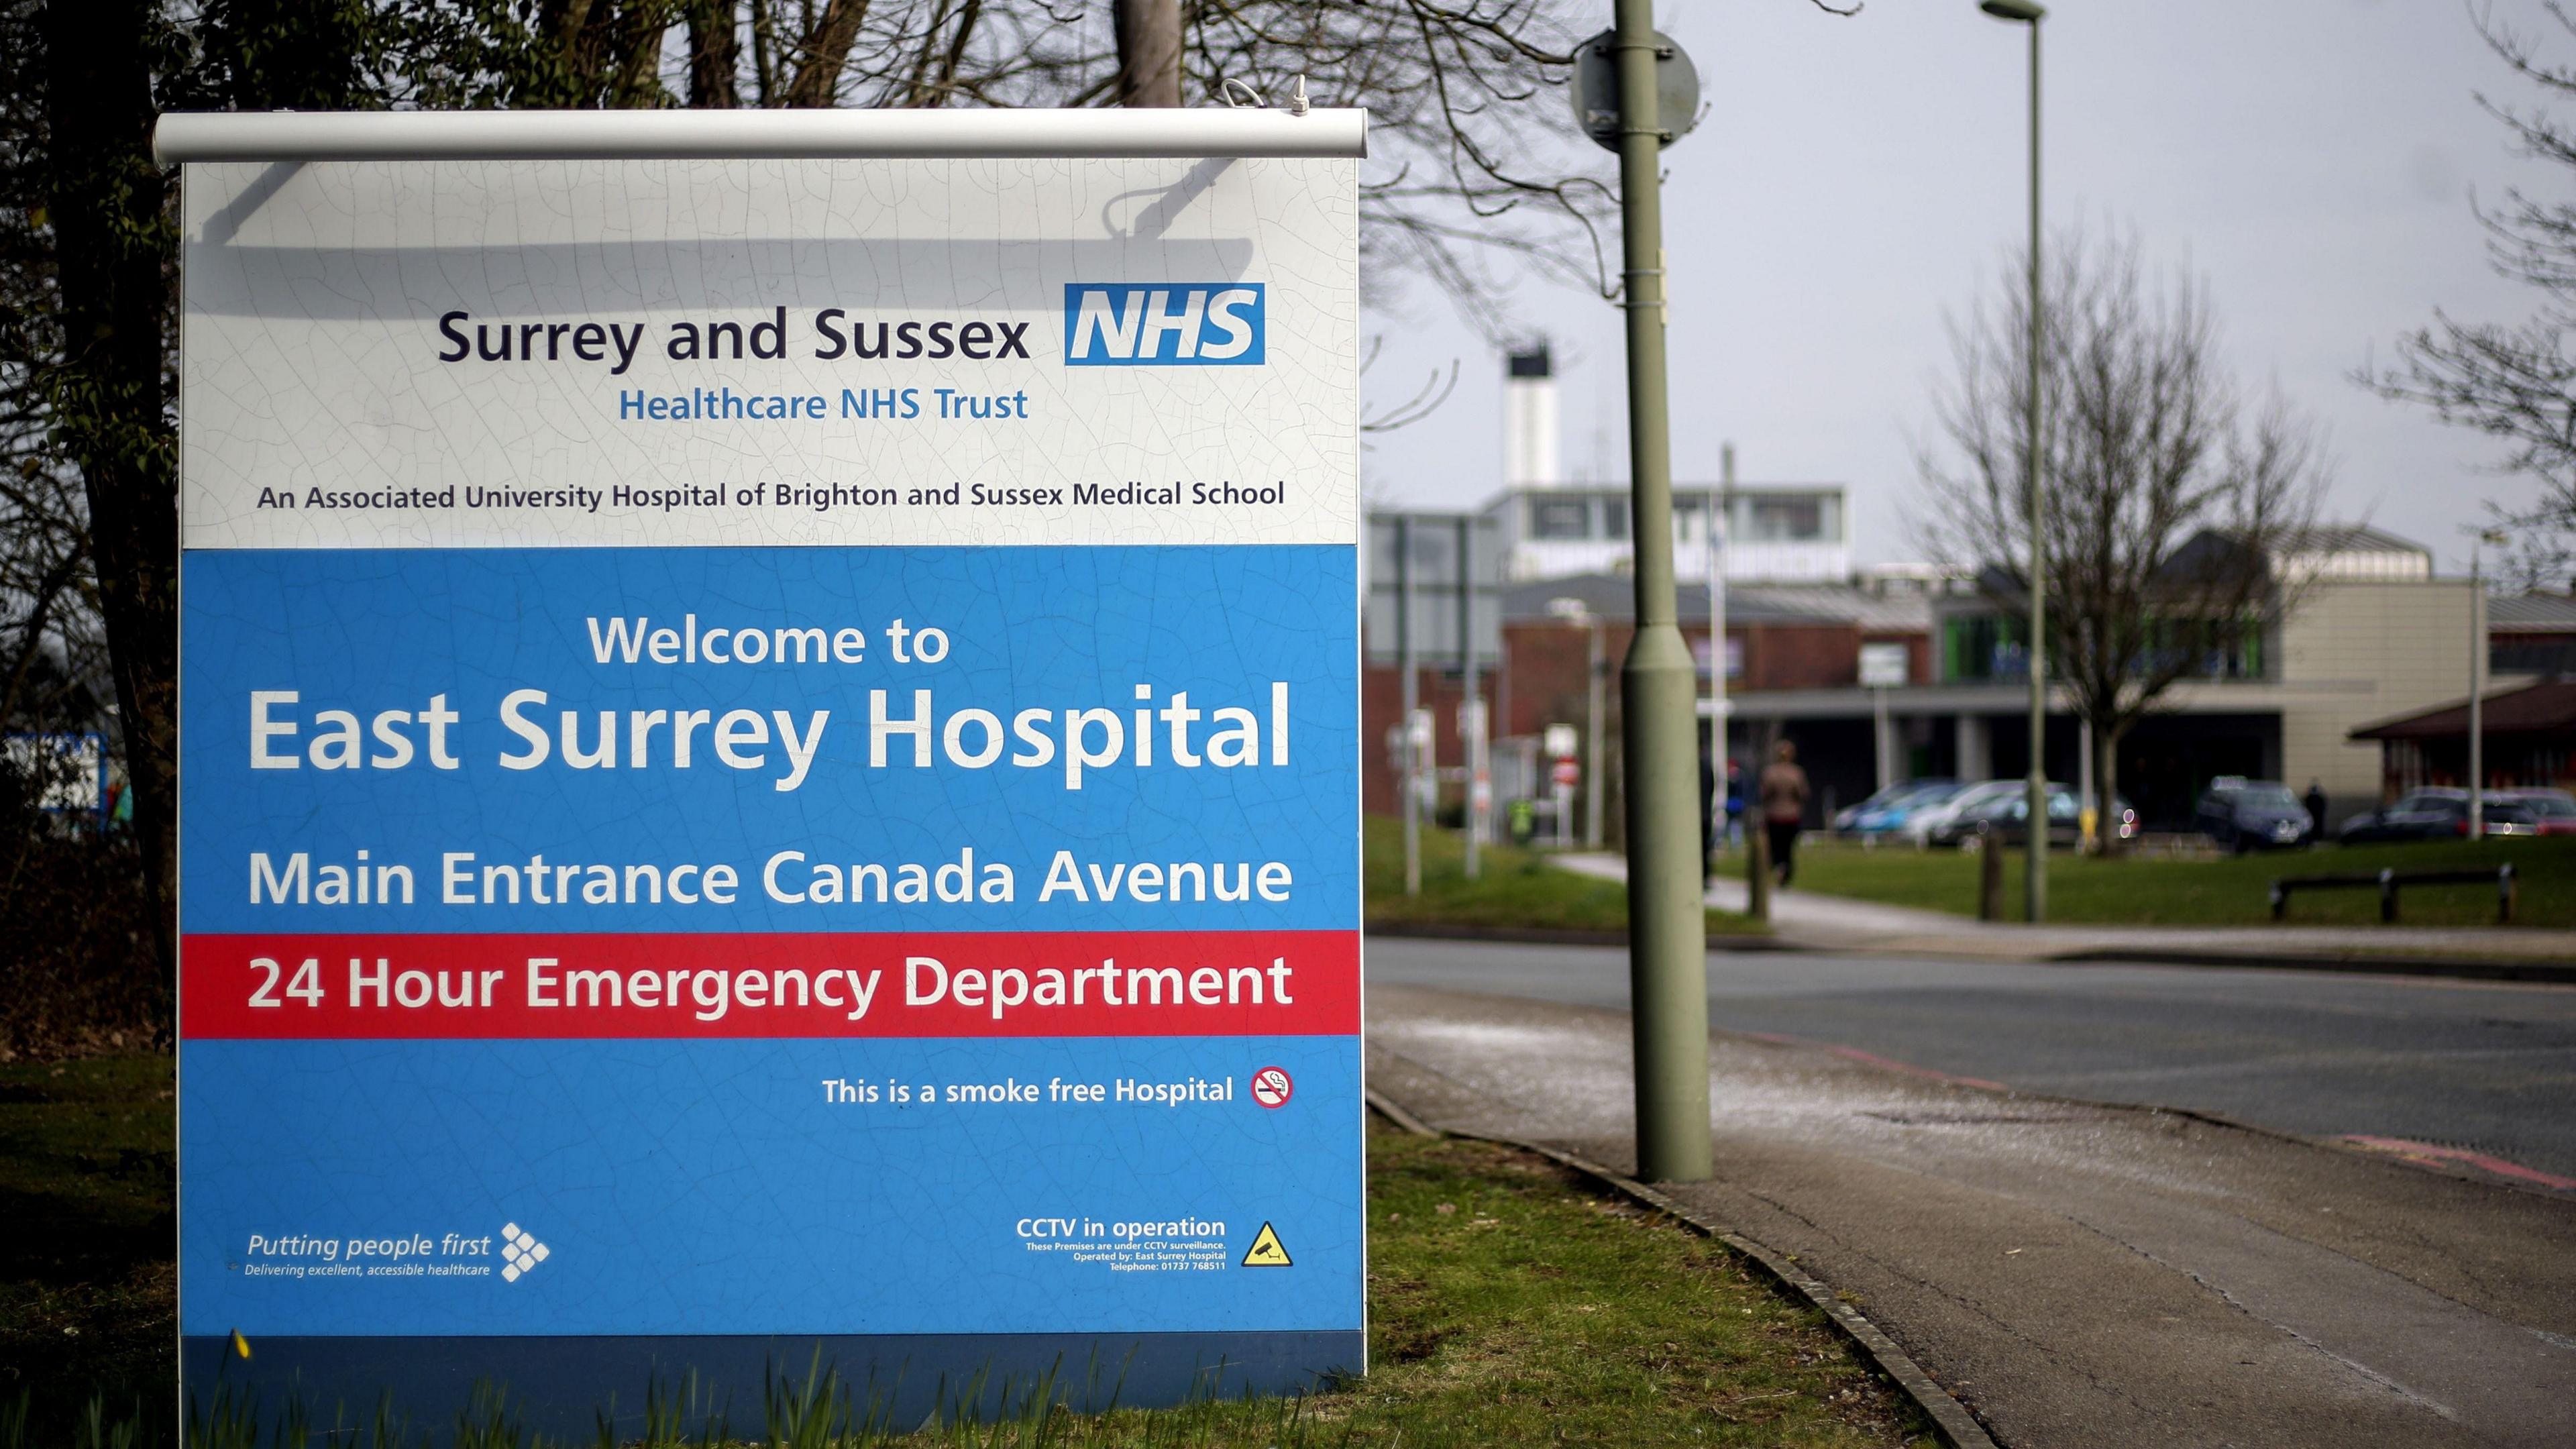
x=1984, y=647
x=1785, y=520
x=1734, y=656
x=1614, y=518
x=1560, y=518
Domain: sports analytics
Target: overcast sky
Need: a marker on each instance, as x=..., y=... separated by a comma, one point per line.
x=1857, y=181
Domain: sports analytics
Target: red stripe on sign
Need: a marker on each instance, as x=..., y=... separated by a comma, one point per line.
x=1210, y=983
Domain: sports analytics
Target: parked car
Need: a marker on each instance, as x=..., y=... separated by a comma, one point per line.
x=2441, y=812
x=2005, y=819
x=1932, y=824
x=2553, y=812
x=2437, y=813
x=2513, y=812
x=1889, y=809
x=2245, y=815
x=1843, y=820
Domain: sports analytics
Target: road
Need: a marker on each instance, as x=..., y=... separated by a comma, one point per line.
x=2488, y=1068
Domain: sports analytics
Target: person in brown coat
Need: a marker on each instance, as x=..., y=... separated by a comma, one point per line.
x=1784, y=807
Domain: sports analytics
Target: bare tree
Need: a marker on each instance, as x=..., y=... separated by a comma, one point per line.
x=107, y=392
x=2173, y=511
x=1475, y=170
x=2515, y=381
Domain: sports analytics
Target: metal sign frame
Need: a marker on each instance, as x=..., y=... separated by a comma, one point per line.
x=332, y=1120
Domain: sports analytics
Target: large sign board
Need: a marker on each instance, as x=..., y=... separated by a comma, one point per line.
x=769, y=760
x=1416, y=567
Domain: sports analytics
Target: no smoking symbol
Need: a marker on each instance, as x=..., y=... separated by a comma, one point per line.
x=1271, y=1087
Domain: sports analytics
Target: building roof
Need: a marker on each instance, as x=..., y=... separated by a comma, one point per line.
x=2537, y=612
x=1614, y=597
x=2218, y=557
x=1686, y=494
x=2348, y=538
x=2528, y=710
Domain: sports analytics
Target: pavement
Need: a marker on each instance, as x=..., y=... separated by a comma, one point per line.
x=1840, y=923
x=2076, y=1273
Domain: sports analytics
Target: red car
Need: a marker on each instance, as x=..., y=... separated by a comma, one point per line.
x=2552, y=812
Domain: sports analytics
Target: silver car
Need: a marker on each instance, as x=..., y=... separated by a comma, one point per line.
x=1935, y=826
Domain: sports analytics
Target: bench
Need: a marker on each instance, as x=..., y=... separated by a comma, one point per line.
x=2387, y=883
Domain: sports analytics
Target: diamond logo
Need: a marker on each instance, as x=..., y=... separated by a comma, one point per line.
x=520, y=1252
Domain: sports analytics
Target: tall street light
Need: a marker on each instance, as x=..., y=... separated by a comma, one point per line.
x=2035, y=883
x=1596, y=674
x=1659, y=683
x=2477, y=781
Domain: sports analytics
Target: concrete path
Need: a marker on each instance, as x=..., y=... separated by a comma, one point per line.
x=2078, y=1275
x=1842, y=923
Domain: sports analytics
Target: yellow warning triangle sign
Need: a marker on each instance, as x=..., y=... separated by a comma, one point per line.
x=1266, y=1251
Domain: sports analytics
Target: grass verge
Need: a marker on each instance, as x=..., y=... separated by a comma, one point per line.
x=2226, y=891
x=86, y=1284
x=1510, y=1303
x=1515, y=890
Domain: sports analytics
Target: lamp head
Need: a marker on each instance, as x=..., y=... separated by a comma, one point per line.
x=2025, y=11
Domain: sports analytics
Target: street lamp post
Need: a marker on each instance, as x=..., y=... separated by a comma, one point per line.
x=2477, y=780
x=1659, y=688
x=1719, y=505
x=1596, y=676
x=1471, y=709
x=1410, y=700
x=1596, y=770
x=2035, y=883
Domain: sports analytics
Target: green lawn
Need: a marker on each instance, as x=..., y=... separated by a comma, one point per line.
x=1516, y=889
x=2229, y=890
x=86, y=1284
x=1509, y=1303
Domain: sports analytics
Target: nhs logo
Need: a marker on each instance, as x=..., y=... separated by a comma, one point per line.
x=1163, y=324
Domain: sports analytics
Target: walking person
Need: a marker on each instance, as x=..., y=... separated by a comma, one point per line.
x=2315, y=801
x=1734, y=803
x=1784, y=808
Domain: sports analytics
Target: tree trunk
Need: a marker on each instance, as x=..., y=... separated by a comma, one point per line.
x=113, y=244
x=639, y=53
x=827, y=49
x=2106, y=789
x=714, y=51
x=562, y=21
x=1149, y=52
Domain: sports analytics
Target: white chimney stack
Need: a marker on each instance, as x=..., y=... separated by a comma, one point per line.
x=1529, y=421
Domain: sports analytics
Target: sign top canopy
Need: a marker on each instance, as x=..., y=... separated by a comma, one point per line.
x=751, y=135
